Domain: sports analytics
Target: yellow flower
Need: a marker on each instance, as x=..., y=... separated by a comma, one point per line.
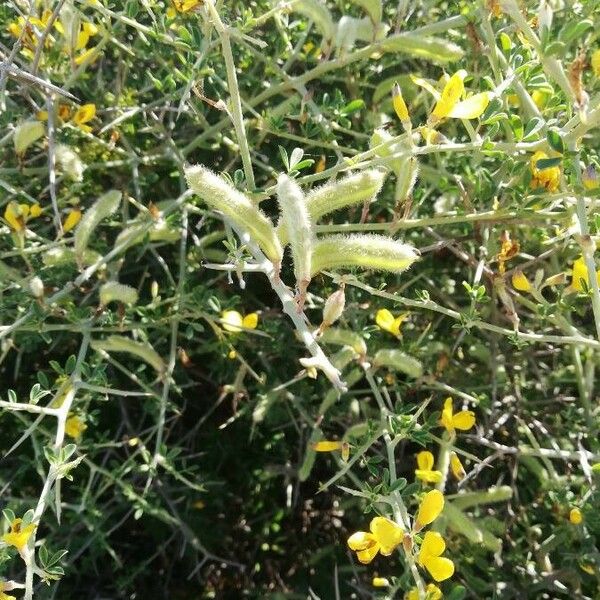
x=184, y=6
x=433, y=592
x=575, y=516
x=430, y=557
x=327, y=446
x=548, y=178
x=18, y=536
x=74, y=427
x=17, y=215
x=539, y=98
x=590, y=179
x=596, y=63
x=233, y=321
x=400, y=105
x=83, y=115
x=385, y=320
x=425, y=471
x=457, y=467
x=4, y=587
x=384, y=537
x=580, y=272
x=88, y=56
x=463, y=420
x=520, y=282
x=453, y=91
x=72, y=219
x=430, y=508
x=380, y=582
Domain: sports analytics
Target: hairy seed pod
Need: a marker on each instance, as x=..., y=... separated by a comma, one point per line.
x=375, y=252
x=372, y=7
x=62, y=256
x=420, y=46
x=406, y=179
x=218, y=194
x=69, y=162
x=294, y=215
x=113, y=291
x=358, y=188
x=399, y=361
x=36, y=287
x=118, y=343
x=105, y=206
x=345, y=337
x=26, y=134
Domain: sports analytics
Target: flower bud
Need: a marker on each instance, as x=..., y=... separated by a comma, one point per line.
x=401, y=108
x=334, y=307
x=36, y=286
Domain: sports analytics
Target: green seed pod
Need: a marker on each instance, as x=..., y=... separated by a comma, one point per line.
x=118, y=343
x=218, y=194
x=465, y=525
x=105, y=206
x=398, y=164
x=63, y=256
x=372, y=7
x=429, y=48
x=375, y=252
x=69, y=162
x=492, y=495
x=399, y=361
x=334, y=307
x=26, y=134
x=358, y=188
x=406, y=179
x=344, y=337
x=113, y=291
x=294, y=215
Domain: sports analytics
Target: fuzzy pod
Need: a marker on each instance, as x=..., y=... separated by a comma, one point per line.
x=118, y=343
x=26, y=134
x=406, y=178
x=36, y=287
x=295, y=217
x=345, y=337
x=218, y=194
x=105, y=206
x=375, y=252
x=403, y=152
x=373, y=8
x=69, y=162
x=62, y=256
x=113, y=291
x=357, y=188
x=399, y=361
x=136, y=232
x=464, y=525
x=429, y=48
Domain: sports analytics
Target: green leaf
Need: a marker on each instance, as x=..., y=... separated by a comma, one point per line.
x=532, y=128
x=352, y=107
x=458, y=592
x=547, y=163
x=555, y=140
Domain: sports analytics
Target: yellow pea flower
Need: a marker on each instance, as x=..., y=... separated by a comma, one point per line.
x=3, y=588
x=575, y=516
x=520, y=282
x=457, y=467
x=400, y=107
x=430, y=508
x=425, y=471
x=327, y=446
x=430, y=557
x=74, y=427
x=472, y=107
x=453, y=91
x=72, y=219
x=433, y=592
x=463, y=420
x=589, y=178
x=88, y=56
x=233, y=321
x=184, y=6
x=539, y=98
x=384, y=536
x=19, y=535
x=17, y=215
x=546, y=178
x=596, y=63
x=580, y=272
x=83, y=115
x=380, y=582
x=385, y=320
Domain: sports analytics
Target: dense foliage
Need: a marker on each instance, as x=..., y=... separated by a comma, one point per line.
x=188, y=411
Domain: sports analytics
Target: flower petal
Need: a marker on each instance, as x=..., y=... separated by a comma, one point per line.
x=433, y=545
x=327, y=446
x=387, y=533
x=425, y=460
x=250, y=321
x=368, y=554
x=361, y=540
x=463, y=420
x=232, y=321
x=430, y=508
x=471, y=108
x=451, y=94
x=384, y=319
x=447, y=412
x=440, y=568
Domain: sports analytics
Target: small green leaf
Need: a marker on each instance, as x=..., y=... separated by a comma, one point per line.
x=352, y=107
x=555, y=140
x=548, y=163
